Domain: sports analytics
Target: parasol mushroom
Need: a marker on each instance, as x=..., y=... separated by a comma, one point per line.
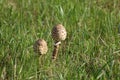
x=40, y=47
x=58, y=34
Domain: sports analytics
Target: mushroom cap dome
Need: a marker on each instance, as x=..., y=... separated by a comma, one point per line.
x=40, y=47
x=59, y=33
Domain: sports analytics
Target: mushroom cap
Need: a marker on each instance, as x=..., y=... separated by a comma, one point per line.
x=59, y=33
x=40, y=46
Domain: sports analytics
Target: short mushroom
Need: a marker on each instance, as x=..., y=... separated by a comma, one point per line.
x=40, y=47
x=58, y=34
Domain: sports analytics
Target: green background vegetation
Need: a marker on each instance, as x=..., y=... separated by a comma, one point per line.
x=91, y=50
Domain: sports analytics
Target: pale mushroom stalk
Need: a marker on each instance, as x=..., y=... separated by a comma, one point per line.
x=58, y=34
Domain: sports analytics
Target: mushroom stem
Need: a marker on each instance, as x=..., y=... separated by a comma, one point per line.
x=39, y=65
x=55, y=51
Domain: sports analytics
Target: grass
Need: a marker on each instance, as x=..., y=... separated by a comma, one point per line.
x=90, y=52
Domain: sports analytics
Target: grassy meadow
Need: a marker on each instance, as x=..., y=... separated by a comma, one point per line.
x=90, y=52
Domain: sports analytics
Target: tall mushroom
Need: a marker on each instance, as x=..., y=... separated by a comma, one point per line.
x=58, y=34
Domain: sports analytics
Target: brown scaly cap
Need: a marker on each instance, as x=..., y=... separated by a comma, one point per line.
x=40, y=47
x=59, y=33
